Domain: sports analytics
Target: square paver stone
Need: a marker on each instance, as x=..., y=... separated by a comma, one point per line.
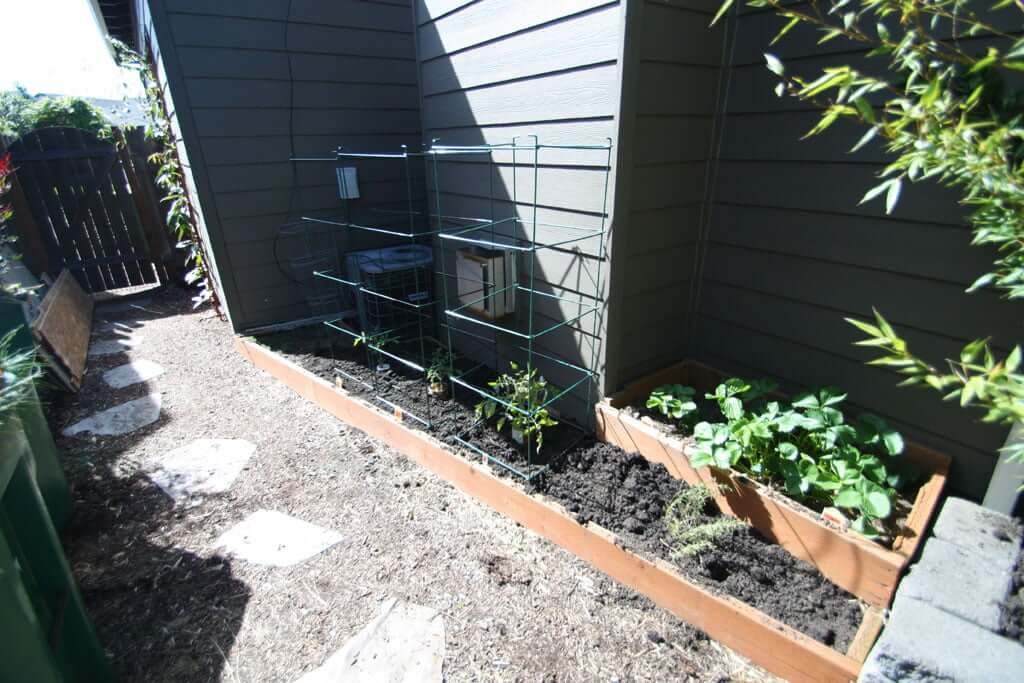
x=202, y=468
x=107, y=347
x=132, y=373
x=121, y=419
x=276, y=539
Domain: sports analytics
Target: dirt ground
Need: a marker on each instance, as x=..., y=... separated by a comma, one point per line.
x=169, y=608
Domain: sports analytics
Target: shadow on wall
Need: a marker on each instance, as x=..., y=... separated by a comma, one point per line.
x=161, y=612
x=546, y=197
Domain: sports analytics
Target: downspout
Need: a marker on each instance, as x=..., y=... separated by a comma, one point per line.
x=711, y=175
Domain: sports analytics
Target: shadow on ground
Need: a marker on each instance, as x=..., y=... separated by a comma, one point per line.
x=161, y=612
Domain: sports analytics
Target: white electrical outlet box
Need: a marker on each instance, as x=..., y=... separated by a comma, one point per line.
x=486, y=281
x=348, y=182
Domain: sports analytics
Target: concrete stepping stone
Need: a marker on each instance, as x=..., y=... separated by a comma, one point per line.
x=404, y=643
x=121, y=329
x=106, y=347
x=275, y=539
x=114, y=306
x=202, y=468
x=132, y=373
x=121, y=419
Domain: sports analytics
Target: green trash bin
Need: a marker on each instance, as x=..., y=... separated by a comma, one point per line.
x=47, y=470
x=44, y=630
x=46, y=464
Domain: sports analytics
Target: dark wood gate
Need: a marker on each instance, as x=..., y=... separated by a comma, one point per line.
x=93, y=208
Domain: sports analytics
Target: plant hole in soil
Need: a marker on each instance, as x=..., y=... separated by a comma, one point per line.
x=598, y=482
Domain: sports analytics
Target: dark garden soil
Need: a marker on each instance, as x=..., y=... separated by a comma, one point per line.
x=627, y=494
x=450, y=418
x=1011, y=620
x=623, y=493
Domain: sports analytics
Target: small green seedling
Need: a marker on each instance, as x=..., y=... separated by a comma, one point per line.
x=376, y=339
x=523, y=392
x=674, y=402
x=439, y=371
x=690, y=533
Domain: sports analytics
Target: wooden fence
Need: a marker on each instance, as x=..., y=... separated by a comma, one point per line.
x=90, y=206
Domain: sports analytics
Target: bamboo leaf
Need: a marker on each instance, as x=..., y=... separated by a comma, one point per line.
x=893, y=195
x=774, y=64
x=721, y=11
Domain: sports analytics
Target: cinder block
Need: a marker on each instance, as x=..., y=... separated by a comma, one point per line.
x=968, y=584
x=923, y=643
x=971, y=526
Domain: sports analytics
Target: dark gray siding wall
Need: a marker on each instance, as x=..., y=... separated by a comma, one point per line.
x=672, y=84
x=496, y=69
x=250, y=82
x=790, y=253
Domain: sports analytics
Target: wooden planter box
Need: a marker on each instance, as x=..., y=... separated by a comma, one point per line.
x=849, y=560
x=765, y=641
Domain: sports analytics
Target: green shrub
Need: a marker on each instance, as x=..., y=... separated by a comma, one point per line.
x=21, y=113
x=947, y=111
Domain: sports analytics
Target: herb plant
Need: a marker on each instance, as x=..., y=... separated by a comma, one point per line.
x=690, y=533
x=674, y=402
x=808, y=449
x=523, y=391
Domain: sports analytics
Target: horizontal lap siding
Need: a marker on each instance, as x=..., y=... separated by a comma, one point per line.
x=791, y=252
x=259, y=83
x=495, y=70
x=677, y=73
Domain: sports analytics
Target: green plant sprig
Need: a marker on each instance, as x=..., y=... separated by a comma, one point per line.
x=376, y=339
x=688, y=531
x=19, y=370
x=181, y=216
x=523, y=392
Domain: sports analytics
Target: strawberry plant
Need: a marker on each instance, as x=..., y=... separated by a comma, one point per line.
x=674, y=402
x=522, y=393
x=807, y=449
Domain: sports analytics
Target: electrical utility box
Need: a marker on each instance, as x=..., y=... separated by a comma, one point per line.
x=487, y=281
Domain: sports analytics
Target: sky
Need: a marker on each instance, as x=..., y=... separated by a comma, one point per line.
x=55, y=47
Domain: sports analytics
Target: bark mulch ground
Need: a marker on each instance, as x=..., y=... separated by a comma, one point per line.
x=169, y=608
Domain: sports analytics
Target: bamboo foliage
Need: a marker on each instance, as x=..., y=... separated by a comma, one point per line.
x=945, y=112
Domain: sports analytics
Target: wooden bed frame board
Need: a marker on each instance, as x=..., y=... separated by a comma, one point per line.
x=849, y=560
x=764, y=640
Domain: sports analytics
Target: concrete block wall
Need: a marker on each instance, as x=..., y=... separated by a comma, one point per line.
x=944, y=621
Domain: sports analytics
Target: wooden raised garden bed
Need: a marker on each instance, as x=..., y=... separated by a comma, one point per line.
x=764, y=640
x=864, y=568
